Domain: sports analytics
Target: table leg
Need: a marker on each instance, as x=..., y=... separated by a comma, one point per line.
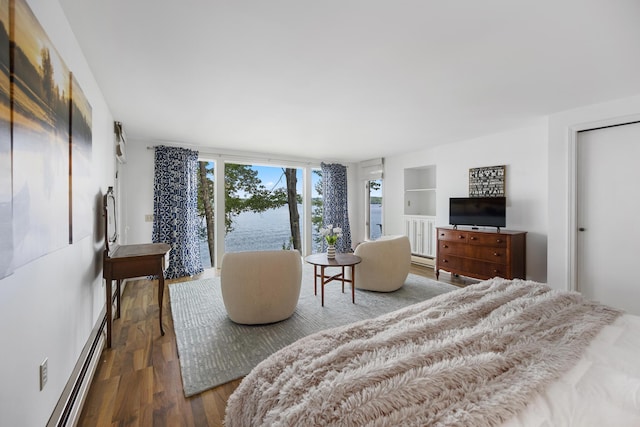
x=160, y=296
x=343, y=277
x=353, y=284
x=322, y=283
x=315, y=280
x=108, y=302
x=118, y=298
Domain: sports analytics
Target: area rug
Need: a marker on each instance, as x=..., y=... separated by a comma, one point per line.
x=213, y=350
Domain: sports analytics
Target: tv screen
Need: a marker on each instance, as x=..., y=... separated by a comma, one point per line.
x=478, y=211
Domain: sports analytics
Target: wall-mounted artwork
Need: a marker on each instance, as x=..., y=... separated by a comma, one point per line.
x=40, y=107
x=81, y=213
x=487, y=181
x=6, y=235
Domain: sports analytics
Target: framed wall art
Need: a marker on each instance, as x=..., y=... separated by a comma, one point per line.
x=487, y=181
x=81, y=207
x=45, y=144
x=6, y=217
x=40, y=87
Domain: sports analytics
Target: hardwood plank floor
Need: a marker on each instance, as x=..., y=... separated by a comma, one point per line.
x=138, y=382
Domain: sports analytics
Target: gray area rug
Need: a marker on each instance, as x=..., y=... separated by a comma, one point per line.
x=213, y=350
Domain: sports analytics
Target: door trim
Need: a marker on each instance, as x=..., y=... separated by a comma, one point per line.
x=572, y=200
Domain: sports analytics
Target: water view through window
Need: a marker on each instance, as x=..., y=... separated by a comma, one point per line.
x=270, y=230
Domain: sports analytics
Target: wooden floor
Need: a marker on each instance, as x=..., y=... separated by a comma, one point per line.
x=138, y=382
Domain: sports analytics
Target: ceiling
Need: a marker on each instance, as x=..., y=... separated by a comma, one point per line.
x=347, y=79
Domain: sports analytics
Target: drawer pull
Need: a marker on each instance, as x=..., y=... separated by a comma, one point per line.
x=496, y=254
x=445, y=246
x=473, y=238
x=460, y=237
x=445, y=260
x=498, y=241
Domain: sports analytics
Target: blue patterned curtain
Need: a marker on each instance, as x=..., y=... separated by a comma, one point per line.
x=334, y=194
x=175, y=208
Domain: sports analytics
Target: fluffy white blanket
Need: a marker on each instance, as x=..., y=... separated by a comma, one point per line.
x=475, y=356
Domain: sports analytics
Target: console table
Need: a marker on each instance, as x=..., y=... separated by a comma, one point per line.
x=481, y=254
x=127, y=261
x=341, y=260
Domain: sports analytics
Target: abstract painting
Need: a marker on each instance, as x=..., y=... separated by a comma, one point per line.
x=81, y=213
x=40, y=107
x=6, y=235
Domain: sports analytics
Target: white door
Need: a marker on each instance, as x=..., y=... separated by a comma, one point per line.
x=608, y=215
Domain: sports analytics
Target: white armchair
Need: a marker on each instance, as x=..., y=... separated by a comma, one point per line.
x=385, y=263
x=260, y=287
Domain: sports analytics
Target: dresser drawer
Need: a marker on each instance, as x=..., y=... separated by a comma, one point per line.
x=486, y=270
x=452, y=248
x=484, y=239
x=451, y=263
x=453, y=235
x=485, y=253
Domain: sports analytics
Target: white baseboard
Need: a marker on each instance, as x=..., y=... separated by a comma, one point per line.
x=425, y=261
x=69, y=407
x=74, y=415
x=67, y=411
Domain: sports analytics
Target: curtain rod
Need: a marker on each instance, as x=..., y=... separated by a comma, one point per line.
x=249, y=157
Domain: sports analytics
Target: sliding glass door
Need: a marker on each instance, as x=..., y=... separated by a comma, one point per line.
x=373, y=209
x=263, y=209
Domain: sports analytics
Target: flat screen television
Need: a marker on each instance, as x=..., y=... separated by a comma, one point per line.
x=478, y=211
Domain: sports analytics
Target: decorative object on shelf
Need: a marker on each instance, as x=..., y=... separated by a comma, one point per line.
x=487, y=181
x=331, y=235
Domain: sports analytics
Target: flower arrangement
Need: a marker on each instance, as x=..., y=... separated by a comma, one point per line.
x=331, y=234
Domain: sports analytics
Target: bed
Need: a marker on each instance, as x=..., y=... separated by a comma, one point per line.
x=498, y=353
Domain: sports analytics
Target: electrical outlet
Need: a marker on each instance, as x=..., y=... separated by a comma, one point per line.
x=44, y=373
x=148, y=218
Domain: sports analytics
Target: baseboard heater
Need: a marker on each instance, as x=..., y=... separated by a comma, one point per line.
x=422, y=260
x=67, y=410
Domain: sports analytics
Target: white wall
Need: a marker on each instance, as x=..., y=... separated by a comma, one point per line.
x=523, y=151
x=136, y=193
x=561, y=126
x=49, y=306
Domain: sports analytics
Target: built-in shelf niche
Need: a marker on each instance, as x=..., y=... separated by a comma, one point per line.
x=420, y=191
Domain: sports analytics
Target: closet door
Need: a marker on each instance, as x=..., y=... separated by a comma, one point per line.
x=608, y=215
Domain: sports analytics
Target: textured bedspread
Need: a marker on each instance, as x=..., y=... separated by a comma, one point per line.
x=475, y=356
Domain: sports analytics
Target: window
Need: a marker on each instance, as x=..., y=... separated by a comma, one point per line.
x=257, y=214
x=373, y=209
x=316, y=210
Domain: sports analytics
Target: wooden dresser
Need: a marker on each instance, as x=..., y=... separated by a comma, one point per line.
x=481, y=254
